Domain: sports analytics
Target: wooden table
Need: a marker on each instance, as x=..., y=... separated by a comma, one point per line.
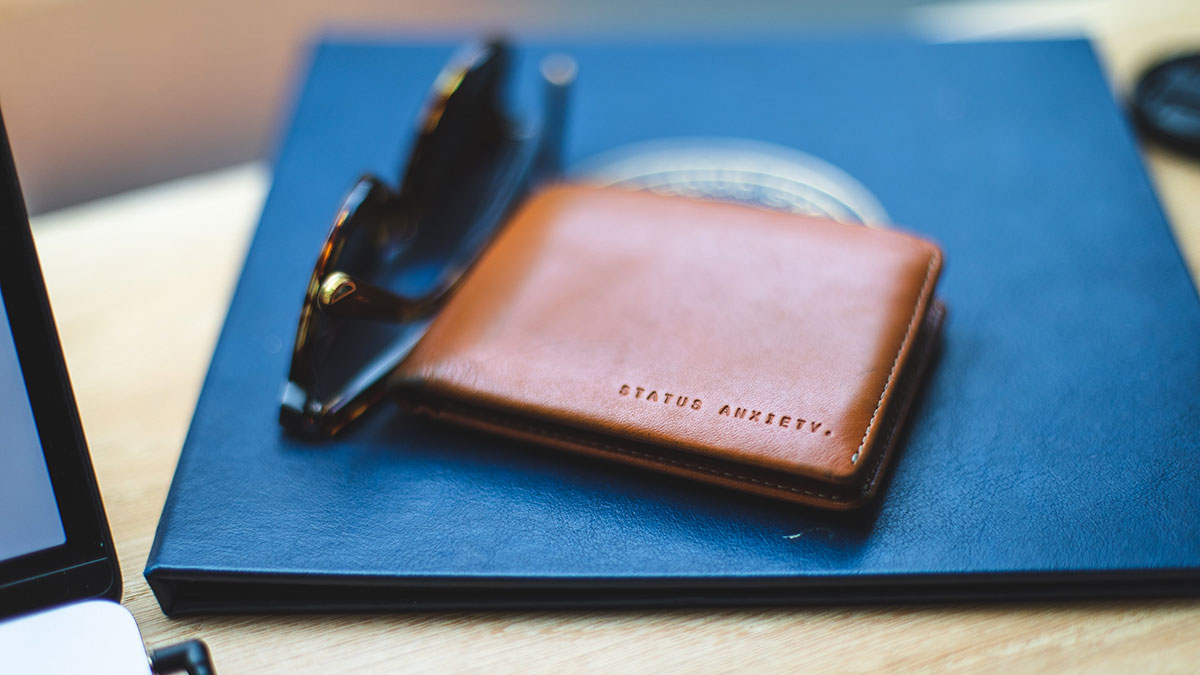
x=140, y=285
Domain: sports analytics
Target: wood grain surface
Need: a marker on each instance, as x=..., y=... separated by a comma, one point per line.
x=140, y=285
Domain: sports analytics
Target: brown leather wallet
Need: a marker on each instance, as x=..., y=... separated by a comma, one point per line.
x=759, y=350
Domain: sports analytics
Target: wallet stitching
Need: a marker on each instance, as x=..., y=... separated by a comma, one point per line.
x=887, y=385
x=886, y=442
x=543, y=431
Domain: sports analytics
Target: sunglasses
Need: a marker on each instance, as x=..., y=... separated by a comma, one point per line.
x=395, y=254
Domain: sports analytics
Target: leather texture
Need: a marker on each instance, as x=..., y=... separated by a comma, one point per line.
x=1051, y=452
x=754, y=349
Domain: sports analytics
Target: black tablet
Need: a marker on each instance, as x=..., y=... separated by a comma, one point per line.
x=55, y=544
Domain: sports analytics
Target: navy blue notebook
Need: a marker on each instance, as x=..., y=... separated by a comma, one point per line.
x=1053, y=452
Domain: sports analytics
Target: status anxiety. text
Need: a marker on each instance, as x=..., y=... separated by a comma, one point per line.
x=764, y=417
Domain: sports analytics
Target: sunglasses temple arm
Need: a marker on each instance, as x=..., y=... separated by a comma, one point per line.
x=558, y=73
x=343, y=295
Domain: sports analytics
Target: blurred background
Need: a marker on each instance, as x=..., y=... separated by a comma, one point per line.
x=103, y=96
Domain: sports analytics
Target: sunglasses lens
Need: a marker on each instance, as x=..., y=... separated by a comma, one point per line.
x=462, y=177
x=339, y=361
x=403, y=252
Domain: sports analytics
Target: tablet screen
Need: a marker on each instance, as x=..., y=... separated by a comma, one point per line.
x=25, y=491
x=55, y=546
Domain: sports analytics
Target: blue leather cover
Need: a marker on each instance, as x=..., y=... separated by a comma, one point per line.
x=1054, y=452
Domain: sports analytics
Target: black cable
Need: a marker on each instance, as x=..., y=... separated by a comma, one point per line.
x=190, y=657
